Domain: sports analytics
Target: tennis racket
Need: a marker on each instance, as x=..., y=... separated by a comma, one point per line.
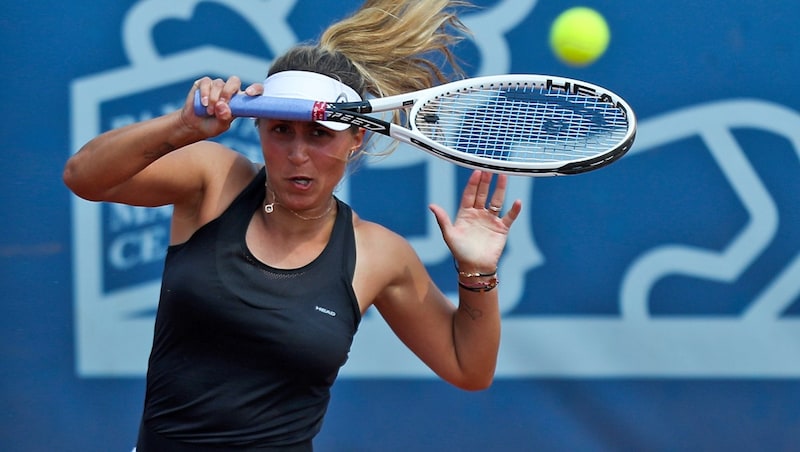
x=534, y=125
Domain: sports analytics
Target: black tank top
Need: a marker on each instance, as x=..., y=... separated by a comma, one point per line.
x=244, y=354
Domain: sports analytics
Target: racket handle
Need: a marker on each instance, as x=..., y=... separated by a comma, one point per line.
x=243, y=105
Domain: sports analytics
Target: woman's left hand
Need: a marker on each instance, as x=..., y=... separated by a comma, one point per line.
x=478, y=235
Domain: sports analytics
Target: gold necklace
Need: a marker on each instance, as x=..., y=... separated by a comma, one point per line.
x=270, y=207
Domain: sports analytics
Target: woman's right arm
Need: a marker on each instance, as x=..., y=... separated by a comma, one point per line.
x=137, y=164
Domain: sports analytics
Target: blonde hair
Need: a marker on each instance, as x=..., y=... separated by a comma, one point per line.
x=390, y=42
x=386, y=47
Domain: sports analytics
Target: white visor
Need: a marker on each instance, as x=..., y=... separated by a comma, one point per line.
x=311, y=86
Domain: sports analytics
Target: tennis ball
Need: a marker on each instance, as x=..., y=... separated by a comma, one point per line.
x=579, y=36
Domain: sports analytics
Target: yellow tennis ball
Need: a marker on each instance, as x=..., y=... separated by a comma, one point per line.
x=579, y=36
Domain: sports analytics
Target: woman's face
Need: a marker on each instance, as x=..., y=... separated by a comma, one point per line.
x=305, y=160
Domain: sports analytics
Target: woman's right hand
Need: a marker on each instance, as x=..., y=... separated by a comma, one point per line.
x=215, y=95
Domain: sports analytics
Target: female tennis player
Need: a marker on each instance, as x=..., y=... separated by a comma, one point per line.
x=268, y=274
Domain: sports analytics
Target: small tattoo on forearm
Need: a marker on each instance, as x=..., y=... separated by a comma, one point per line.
x=472, y=312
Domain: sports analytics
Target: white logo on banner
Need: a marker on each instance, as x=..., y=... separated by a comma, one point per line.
x=113, y=337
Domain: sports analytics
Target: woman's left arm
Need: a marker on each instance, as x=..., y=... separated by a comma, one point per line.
x=477, y=238
x=459, y=343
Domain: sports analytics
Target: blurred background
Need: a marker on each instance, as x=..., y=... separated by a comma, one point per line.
x=651, y=305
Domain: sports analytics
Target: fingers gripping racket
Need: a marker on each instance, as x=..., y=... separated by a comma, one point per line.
x=532, y=125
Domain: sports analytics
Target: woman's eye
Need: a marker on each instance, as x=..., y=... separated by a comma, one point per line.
x=321, y=132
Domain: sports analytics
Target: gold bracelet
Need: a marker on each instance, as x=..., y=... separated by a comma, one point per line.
x=476, y=275
x=473, y=275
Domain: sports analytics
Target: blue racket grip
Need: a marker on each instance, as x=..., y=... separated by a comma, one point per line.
x=243, y=105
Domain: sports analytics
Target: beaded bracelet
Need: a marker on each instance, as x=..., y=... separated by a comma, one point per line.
x=481, y=286
x=478, y=286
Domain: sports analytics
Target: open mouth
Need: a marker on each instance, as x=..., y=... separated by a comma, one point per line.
x=302, y=181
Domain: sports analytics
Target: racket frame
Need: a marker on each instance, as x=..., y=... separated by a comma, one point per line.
x=359, y=114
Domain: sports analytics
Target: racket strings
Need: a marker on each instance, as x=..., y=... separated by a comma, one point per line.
x=523, y=124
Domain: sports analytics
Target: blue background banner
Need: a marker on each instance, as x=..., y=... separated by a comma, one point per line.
x=651, y=305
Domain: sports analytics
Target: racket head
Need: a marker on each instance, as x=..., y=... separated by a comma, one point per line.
x=534, y=125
